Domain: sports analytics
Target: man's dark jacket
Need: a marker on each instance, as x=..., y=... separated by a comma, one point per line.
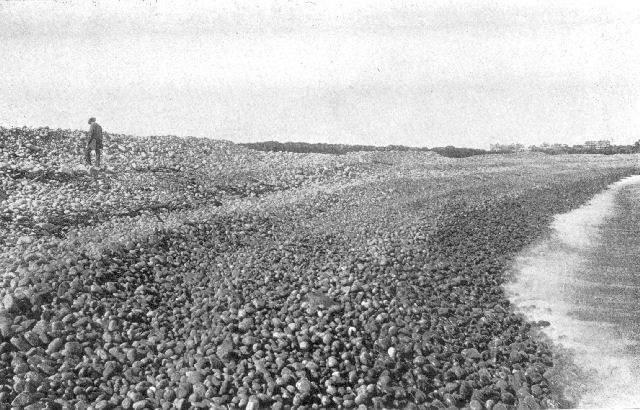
x=95, y=136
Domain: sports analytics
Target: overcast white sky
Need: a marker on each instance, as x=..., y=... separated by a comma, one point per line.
x=420, y=73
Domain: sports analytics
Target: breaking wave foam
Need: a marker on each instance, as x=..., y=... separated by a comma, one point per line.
x=545, y=279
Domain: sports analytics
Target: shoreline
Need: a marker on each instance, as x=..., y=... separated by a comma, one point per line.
x=537, y=289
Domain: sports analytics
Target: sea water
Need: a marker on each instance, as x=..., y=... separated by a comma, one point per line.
x=584, y=279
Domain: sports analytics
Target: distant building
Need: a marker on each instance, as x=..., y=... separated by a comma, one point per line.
x=507, y=147
x=602, y=144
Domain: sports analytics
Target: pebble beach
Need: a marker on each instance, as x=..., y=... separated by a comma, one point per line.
x=196, y=273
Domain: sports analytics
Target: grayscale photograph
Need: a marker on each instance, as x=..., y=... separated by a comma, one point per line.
x=319, y=204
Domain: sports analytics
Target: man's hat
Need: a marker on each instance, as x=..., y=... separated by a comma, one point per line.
x=92, y=119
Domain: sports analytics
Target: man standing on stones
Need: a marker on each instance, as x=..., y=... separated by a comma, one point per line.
x=94, y=142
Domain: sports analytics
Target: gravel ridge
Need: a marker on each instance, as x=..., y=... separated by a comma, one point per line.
x=308, y=281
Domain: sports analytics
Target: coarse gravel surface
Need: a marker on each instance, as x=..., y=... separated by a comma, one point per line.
x=197, y=273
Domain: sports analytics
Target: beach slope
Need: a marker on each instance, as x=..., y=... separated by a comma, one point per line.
x=197, y=273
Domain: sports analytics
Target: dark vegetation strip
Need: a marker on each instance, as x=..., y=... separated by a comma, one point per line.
x=340, y=149
x=448, y=151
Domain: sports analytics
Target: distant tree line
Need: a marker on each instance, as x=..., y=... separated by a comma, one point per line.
x=448, y=151
x=455, y=152
x=340, y=149
x=580, y=149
